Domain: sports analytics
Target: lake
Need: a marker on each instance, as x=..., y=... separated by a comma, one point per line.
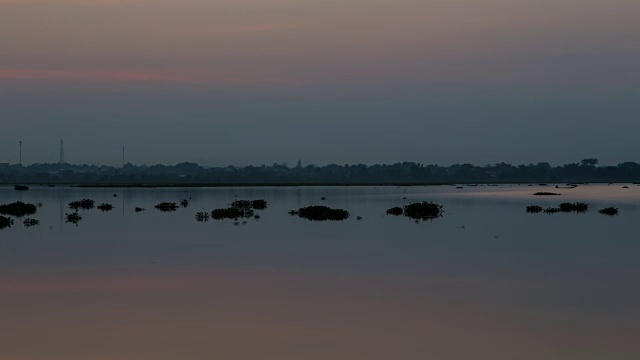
x=485, y=281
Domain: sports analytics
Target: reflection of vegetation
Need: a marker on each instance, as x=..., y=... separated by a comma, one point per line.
x=574, y=207
x=320, y=213
x=545, y=193
x=85, y=204
x=534, y=209
x=167, y=206
x=18, y=209
x=424, y=210
x=105, y=207
x=234, y=213
x=184, y=203
x=138, y=209
x=30, y=222
x=611, y=211
x=552, y=210
x=202, y=216
x=395, y=211
x=73, y=218
x=5, y=222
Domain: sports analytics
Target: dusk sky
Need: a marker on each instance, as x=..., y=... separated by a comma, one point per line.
x=241, y=82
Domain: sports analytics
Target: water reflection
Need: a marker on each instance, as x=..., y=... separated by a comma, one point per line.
x=485, y=281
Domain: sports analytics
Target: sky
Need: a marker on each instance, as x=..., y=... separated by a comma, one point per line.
x=241, y=82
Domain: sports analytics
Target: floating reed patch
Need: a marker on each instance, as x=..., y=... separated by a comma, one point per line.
x=611, y=211
x=18, y=209
x=546, y=193
x=105, y=207
x=30, y=223
x=320, y=213
x=167, y=206
x=73, y=218
x=534, y=209
x=5, y=222
x=84, y=204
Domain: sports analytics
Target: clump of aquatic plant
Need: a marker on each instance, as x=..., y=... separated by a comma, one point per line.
x=534, y=209
x=30, y=222
x=611, y=211
x=320, y=213
x=184, y=203
x=579, y=207
x=138, y=209
x=202, y=216
x=250, y=204
x=234, y=213
x=84, y=204
x=167, y=206
x=73, y=218
x=546, y=193
x=18, y=209
x=423, y=210
x=105, y=207
x=397, y=211
x=552, y=210
x=5, y=222
x=21, y=187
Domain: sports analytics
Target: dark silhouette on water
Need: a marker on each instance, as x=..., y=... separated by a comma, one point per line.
x=84, y=204
x=534, y=209
x=18, y=209
x=5, y=222
x=545, y=193
x=611, y=211
x=104, y=207
x=30, y=223
x=73, y=218
x=167, y=206
x=320, y=213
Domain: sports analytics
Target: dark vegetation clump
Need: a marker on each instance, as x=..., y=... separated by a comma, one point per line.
x=73, y=218
x=18, y=209
x=21, y=187
x=167, y=206
x=184, y=203
x=611, y=211
x=105, y=207
x=552, y=210
x=84, y=204
x=30, y=222
x=202, y=216
x=579, y=207
x=424, y=210
x=397, y=211
x=138, y=209
x=234, y=213
x=5, y=222
x=534, y=209
x=545, y=193
x=250, y=204
x=320, y=213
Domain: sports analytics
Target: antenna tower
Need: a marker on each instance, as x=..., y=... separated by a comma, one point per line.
x=20, y=142
x=123, y=156
x=61, y=152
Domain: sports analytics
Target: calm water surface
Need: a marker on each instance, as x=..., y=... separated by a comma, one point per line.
x=486, y=281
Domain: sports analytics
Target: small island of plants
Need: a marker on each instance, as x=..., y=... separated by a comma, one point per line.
x=425, y=210
x=320, y=213
x=5, y=222
x=104, y=207
x=84, y=204
x=18, y=209
x=611, y=211
x=546, y=193
x=167, y=206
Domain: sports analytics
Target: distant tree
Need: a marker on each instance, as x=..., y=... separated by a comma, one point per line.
x=299, y=164
x=591, y=162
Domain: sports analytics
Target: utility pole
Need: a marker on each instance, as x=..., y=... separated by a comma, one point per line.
x=61, y=151
x=20, y=142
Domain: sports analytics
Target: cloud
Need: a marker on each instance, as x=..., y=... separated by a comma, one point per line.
x=112, y=76
x=103, y=76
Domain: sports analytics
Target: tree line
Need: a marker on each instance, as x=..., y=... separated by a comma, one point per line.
x=587, y=170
